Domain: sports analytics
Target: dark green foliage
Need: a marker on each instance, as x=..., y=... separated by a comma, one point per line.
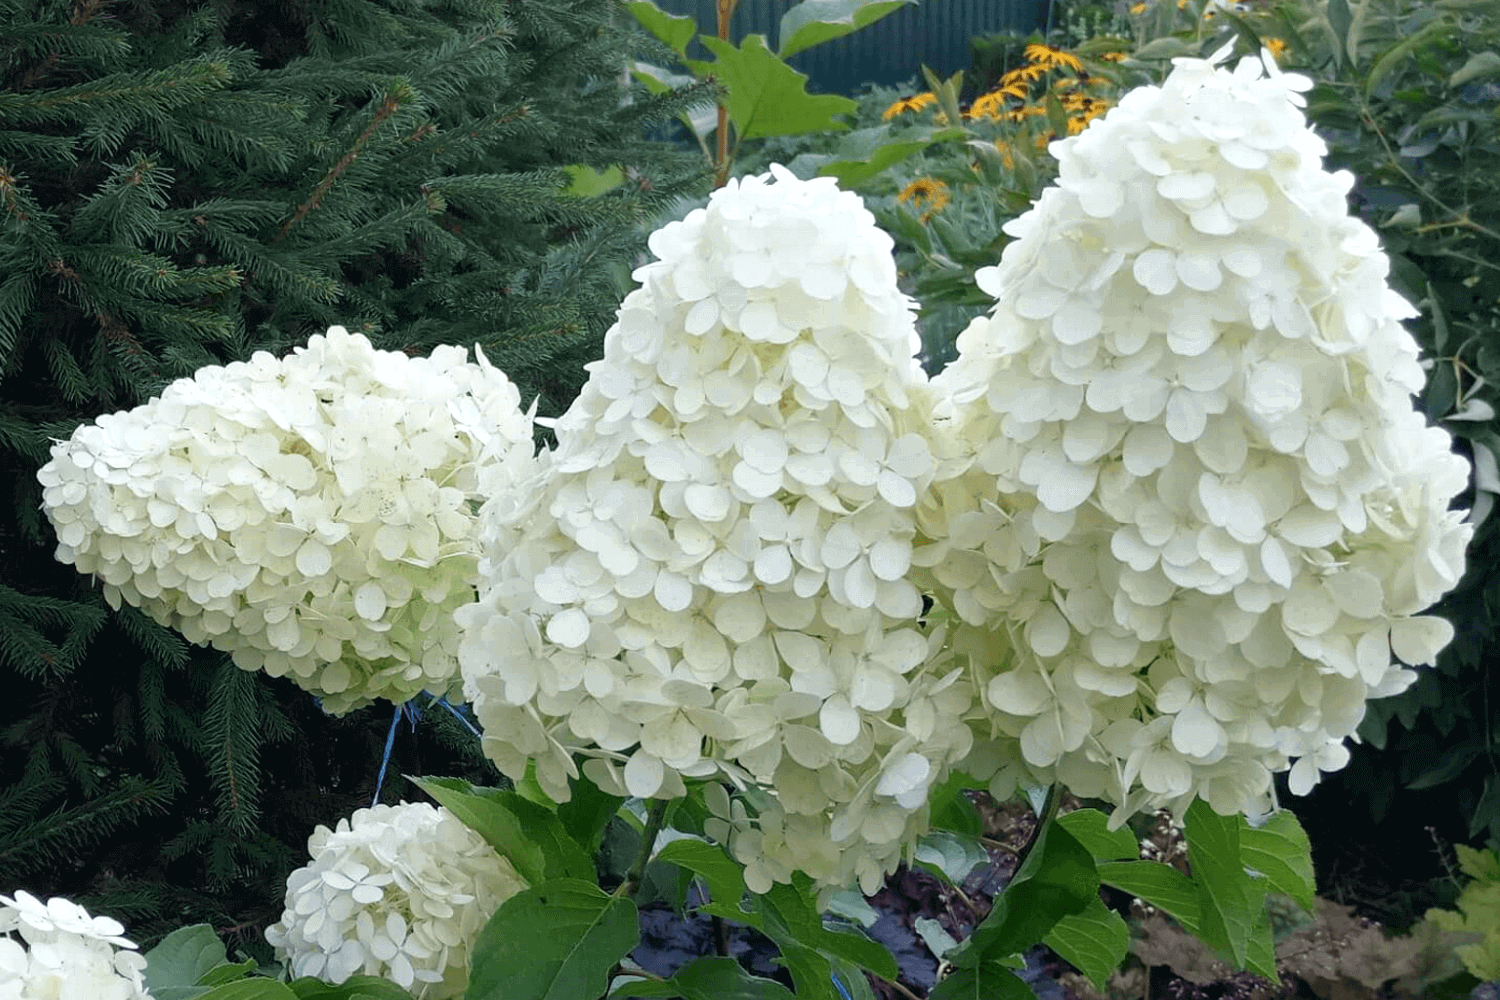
x=1408, y=103
x=184, y=183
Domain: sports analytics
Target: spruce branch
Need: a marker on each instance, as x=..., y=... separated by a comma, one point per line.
x=388, y=107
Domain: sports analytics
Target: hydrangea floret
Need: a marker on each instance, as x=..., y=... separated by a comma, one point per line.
x=1202, y=515
x=57, y=951
x=314, y=515
x=399, y=892
x=710, y=578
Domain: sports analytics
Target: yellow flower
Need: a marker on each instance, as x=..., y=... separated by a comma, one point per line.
x=1052, y=58
x=1114, y=56
x=925, y=193
x=1006, y=157
x=1138, y=8
x=906, y=104
x=1276, y=45
x=990, y=105
x=1023, y=74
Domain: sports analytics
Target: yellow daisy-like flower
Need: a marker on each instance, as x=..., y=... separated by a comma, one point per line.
x=1052, y=58
x=1023, y=74
x=926, y=194
x=1006, y=156
x=1115, y=56
x=991, y=105
x=1024, y=112
x=1276, y=45
x=915, y=103
x=1138, y=8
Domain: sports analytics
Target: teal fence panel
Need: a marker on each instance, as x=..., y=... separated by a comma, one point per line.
x=893, y=49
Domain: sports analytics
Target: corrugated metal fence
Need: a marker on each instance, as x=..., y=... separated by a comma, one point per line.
x=893, y=49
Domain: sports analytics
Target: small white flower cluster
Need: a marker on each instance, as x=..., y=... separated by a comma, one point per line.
x=399, y=892
x=1202, y=511
x=65, y=954
x=711, y=577
x=310, y=514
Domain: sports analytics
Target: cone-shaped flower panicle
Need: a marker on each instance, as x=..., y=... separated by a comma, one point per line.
x=711, y=578
x=57, y=951
x=314, y=515
x=1202, y=515
x=395, y=891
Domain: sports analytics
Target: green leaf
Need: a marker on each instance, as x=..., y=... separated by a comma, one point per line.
x=353, y=988
x=725, y=878
x=226, y=973
x=989, y=981
x=709, y=979
x=675, y=31
x=813, y=22
x=1057, y=879
x=791, y=916
x=1397, y=54
x=811, y=971
x=949, y=808
x=1090, y=827
x=557, y=941
x=182, y=958
x=1479, y=64
x=530, y=835
x=1160, y=885
x=1226, y=900
x=1094, y=941
x=1339, y=19
x=766, y=96
x=251, y=989
x=1280, y=851
x=1162, y=49
x=586, y=815
x=851, y=173
x=951, y=855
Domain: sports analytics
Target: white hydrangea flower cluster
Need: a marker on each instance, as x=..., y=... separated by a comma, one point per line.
x=399, y=892
x=313, y=515
x=1202, y=512
x=711, y=578
x=63, y=953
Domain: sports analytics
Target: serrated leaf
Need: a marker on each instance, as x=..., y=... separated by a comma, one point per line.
x=1090, y=827
x=181, y=959
x=671, y=29
x=990, y=981
x=766, y=96
x=557, y=941
x=725, y=878
x=952, y=855
x=1161, y=885
x=813, y=22
x=1280, y=851
x=1226, y=900
x=1479, y=64
x=709, y=979
x=529, y=835
x=1057, y=879
x=1094, y=941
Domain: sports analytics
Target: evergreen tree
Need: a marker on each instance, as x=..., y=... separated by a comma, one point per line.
x=183, y=183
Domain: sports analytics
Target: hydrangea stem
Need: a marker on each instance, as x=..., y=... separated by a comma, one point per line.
x=655, y=819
